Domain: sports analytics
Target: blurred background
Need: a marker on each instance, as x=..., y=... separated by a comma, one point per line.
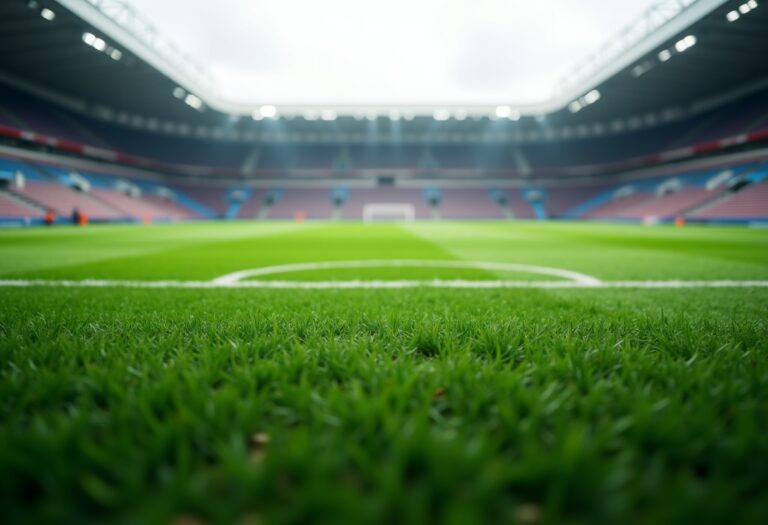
x=141, y=111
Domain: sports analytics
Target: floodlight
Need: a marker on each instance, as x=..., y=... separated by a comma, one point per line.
x=47, y=14
x=592, y=97
x=664, y=55
x=503, y=111
x=328, y=114
x=732, y=16
x=268, y=111
x=441, y=114
x=685, y=43
x=193, y=101
x=179, y=92
x=116, y=54
x=99, y=44
x=574, y=106
x=89, y=38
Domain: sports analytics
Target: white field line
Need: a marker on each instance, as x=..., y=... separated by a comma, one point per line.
x=327, y=285
x=406, y=263
x=235, y=280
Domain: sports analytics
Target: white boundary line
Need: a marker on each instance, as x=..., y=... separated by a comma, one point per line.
x=235, y=280
x=341, y=285
x=407, y=263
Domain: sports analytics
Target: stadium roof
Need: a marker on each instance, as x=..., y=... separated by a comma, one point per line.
x=397, y=53
x=96, y=56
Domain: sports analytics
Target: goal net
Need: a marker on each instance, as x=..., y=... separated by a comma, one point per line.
x=389, y=212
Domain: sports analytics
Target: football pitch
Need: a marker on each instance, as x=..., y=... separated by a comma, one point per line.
x=457, y=372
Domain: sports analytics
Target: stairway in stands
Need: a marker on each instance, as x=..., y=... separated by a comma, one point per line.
x=710, y=203
x=12, y=205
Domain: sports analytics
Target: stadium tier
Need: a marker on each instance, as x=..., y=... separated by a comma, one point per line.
x=711, y=194
x=749, y=204
x=470, y=203
x=302, y=203
x=223, y=155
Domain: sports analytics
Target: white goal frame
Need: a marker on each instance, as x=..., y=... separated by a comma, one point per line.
x=389, y=210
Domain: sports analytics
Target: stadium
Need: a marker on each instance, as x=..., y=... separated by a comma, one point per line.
x=404, y=262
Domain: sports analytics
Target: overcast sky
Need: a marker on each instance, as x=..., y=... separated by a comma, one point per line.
x=389, y=51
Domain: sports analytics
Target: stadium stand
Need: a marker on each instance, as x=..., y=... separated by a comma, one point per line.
x=562, y=199
x=170, y=209
x=254, y=205
x=218, y=152
x=63, y=201
x=215, y=198
x=750, y=202
x=519, y=207
x=671, y=204
x=469, y=203
x=617, y=204
x=309, y=203
x=189, y=164
x=12, y=207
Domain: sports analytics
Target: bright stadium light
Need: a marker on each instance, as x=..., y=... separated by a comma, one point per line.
x=575, y=106
x=47, y=14
x=441, y=114
x=89, y=38
x=193, y=101
x=179, y=92
x=664, y=55
x=116, y=54
x=743, y=9
x=503, y=111
x=268, y=111
x=592, y=97
x=99, y=44
x=328, y=114
x=514, y=115
x=685, y=43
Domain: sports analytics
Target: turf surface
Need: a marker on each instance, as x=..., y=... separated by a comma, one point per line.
x=390, y=406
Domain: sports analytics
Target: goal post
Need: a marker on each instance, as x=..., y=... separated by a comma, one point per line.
x=389, y=212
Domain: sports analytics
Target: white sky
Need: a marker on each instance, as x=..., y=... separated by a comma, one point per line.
x=338, y=52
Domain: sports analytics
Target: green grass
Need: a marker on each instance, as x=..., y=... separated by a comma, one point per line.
x=385, y=406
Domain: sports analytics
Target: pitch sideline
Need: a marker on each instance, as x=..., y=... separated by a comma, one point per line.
x=347, y=285
x=235, y=279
